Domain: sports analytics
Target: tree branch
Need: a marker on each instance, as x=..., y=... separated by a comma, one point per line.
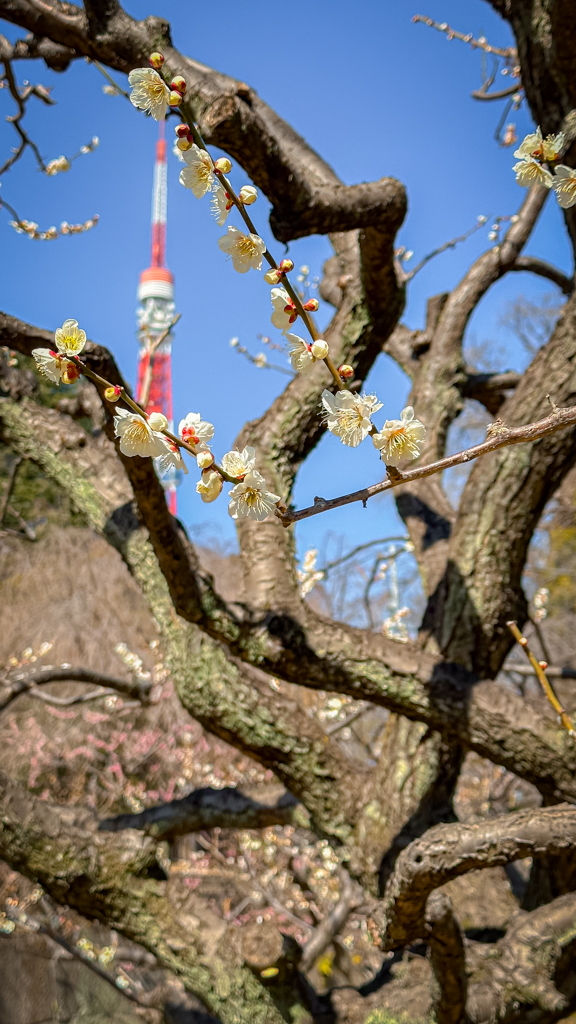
x=103, y=877
x=514, y=732
x=448, y=960
x=11, y=686
x=501, y=437
x=206, y=809
x=351, y=896
x=543, y=269
x=489, y=388
x=447, y=851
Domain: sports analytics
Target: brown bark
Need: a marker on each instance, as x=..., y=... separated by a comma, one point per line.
x=448, y=851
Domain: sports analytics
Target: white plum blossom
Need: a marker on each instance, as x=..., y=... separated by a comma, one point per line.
x=69, y=338
x=565, y=186
x=149, y=92
x=250, y=499
x=300, y=355
x=209, y=486
x=284, y=311
x=171, y=457
x=400, y=439
x=348, y=415
x=196, y=431
x=198, y=175
x=221, y=204
x=540, y=149
x=530, y=172
x=136, y=435
x=55, y=367
x=237, y=464
x=246, y=251
x=57, y=166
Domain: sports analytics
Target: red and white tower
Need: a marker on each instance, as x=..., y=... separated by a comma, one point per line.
x=155, y=315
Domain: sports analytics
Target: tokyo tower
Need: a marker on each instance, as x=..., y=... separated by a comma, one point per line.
x=156, y=315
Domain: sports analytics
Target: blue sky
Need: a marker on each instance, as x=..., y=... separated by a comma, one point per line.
x=375, y=95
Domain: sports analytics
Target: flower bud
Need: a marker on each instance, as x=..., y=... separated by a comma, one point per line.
x=156, y=60
x=184, y=144
x=319, y=349
x=205, y=459
x=210, y=485
x=179, y=84
x=273, y=276
x=223, y=165
x=248, y=195
x=71, y=373
x=157, y=421
x=174, y=99
x=112, y=394
x=346, y=371
x=182, y=130
x=286, y=266
x=312, y=305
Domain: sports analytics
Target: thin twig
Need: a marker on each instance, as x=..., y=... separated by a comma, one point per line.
x=542, y=677
x=442, y=248
x=500, y=437
x=476, y=44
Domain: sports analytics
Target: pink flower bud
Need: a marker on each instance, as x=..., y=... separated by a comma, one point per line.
x=312, y=305
x=156, y=60
x=174, y=99
x=112, y=394
x=179, y=84
x=71, y=373
x=286, y=266
x=346, y=371
x=184, y=144
x=223, y=165
x=182, y=130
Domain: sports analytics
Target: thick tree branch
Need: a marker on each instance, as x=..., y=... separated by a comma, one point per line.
x=448, y=959
x=447, y=851
x=543, y=269
x=517, y=733
x=206, y=809
x=501, y=505
x=531, y=975
x=490, y=388
x=104, y=877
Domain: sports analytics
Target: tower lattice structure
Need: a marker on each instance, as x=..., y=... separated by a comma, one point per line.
x=155, y=316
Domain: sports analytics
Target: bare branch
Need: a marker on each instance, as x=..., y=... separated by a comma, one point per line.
x=447, y=851
x=543, y=269
x=476, y=44
x=205, y=809
x=490, y=388
x=11, y=686
x=443, y=248
x=501, y=437
x=351, y=896
x=448, y=961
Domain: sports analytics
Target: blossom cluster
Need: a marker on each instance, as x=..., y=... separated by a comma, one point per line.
x=30, y=228
x=534, y=153
x=148, y=436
